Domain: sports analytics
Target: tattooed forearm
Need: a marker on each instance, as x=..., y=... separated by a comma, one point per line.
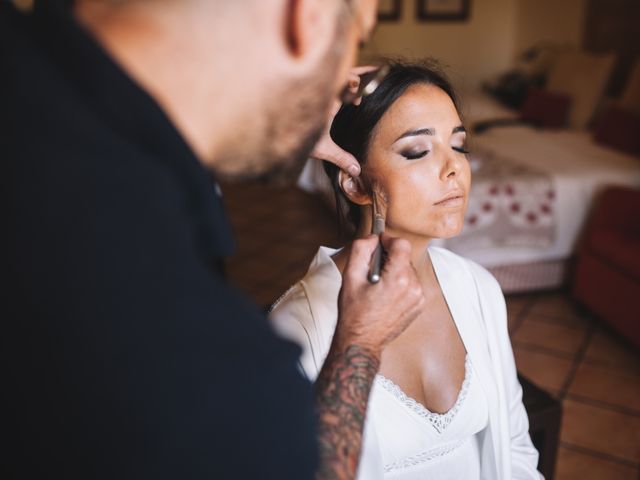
x=342, y=392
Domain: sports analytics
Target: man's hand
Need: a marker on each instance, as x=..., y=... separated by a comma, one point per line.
x=326, y=149
x=370, y=316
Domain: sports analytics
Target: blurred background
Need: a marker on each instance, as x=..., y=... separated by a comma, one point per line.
x=479, y=39
x=551, y=97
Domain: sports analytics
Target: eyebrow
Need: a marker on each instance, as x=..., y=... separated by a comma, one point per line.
x=428, y=131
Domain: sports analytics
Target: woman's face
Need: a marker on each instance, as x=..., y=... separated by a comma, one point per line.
x=417, y=159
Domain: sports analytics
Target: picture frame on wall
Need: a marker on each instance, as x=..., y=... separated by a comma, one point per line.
x=443, y=10
x=389, y=10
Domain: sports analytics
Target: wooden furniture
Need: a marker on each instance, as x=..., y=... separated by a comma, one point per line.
x=545, y=416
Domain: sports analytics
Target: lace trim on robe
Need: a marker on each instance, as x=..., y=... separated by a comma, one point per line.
x=440, y=421
x=423, y=457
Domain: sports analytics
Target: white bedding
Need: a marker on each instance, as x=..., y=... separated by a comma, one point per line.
x=579, y=169
x=477, y=106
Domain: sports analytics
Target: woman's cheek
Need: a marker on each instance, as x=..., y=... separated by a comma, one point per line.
x=407, y=204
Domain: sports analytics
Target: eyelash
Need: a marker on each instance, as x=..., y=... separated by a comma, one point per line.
x=415, y=156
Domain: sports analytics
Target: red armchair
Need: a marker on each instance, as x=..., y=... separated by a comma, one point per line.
x=607, y=276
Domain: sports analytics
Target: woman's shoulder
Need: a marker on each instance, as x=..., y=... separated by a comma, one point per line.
x=321, y=278
x=307, y=312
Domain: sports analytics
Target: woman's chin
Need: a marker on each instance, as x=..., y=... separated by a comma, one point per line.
x=439, y=231
x=448, y=232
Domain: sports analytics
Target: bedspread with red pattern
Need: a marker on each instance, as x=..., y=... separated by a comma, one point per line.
x=510, y=204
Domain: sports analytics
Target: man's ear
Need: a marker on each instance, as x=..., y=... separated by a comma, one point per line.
x=354, y=188
x=308, y=27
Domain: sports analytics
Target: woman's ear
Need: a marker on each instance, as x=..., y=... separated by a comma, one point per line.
x=354, y=188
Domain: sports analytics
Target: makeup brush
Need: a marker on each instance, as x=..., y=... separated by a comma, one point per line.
x=377, y=228
x=369, y=81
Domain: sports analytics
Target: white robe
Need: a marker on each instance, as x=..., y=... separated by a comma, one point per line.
x=307, y=313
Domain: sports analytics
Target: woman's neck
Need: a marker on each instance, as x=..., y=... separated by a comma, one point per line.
x=420, y=258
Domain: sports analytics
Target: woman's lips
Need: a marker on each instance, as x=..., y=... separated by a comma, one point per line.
x=451, y=200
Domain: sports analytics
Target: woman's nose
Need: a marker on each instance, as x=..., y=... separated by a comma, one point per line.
x=451, y=165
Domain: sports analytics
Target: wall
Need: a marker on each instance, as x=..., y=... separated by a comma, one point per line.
x=549, y=21
x=488, y=42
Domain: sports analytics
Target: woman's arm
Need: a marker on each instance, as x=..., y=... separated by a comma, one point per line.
x=524, y=456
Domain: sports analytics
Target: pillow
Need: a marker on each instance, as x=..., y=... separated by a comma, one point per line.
x=511, y=87
x=545, y=109
x=583, y=77
x=620, y=129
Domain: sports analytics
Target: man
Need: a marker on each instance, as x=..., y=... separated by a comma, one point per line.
x=124, y=353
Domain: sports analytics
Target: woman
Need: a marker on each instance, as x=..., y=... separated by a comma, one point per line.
x=446, y=403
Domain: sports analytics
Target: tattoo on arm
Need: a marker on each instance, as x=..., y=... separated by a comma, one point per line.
x=342, y=391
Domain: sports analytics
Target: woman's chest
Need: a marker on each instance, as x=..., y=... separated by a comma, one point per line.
x=418, y=443
x=428, y=360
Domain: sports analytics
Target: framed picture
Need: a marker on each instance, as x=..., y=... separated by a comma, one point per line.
x=389, y=10
x=444, y=10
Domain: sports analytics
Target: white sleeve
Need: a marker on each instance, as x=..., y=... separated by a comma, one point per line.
x=291, y=318
x=370, y=466
x=524, y=456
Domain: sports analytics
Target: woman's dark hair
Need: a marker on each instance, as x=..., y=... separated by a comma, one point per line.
x=353, y=125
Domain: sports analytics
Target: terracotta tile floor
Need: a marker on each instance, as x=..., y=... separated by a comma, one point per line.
x=557, y=345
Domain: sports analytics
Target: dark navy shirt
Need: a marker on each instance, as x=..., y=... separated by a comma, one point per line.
x=124, y=353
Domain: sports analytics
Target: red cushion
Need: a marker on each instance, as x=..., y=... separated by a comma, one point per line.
x=545, y=109
x=620, y=249
x=617, y=208
x=620, y=129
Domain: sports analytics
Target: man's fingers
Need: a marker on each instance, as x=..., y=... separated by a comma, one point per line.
x=364, y=69
x=353, y=80
x=360, y=256
x=326, y=149
x=398, y=256
x=400, y=272
x=329, y=151
x=397, y=245
x=347, y=162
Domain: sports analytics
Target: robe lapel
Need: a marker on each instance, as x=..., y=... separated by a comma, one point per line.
x=322, y=285
x=460, y=294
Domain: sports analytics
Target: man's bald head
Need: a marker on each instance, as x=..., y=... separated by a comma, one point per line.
x=247, y=82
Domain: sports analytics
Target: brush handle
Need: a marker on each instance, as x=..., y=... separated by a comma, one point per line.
x=376, y=264
x=376, y=261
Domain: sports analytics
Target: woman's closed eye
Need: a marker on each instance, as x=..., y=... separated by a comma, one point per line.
x=462, y=149
x=414, y=154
